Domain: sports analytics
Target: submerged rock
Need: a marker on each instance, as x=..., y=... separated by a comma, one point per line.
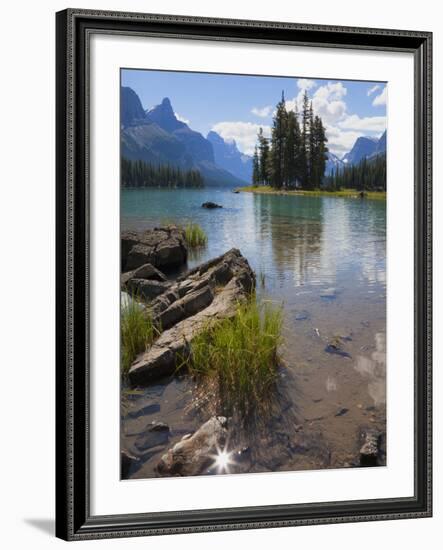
x=162, y=247
x=328, y=293
x=195, y=454
x=208, y=293
x=301, y=315
x=127, y=461
x=156, y=433
x=143, y=411
x=211, y=205
x=335, y=346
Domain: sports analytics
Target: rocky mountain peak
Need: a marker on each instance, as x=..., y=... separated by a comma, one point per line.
x=163, y=115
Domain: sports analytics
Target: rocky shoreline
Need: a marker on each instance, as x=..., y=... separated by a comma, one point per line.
x=182, y=306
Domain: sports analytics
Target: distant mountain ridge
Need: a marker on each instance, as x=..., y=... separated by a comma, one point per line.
x=158, y=137
x=365, y=147
x=332, y=163
x=228, y=156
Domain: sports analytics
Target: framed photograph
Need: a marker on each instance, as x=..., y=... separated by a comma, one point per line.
x=243, y=274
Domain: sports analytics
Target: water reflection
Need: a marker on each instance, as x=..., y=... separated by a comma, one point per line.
x=373, y=369
x=325, y=259
x=295, y=241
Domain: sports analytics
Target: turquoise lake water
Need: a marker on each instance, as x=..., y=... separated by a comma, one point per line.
x=300, y=244
x=324, y=259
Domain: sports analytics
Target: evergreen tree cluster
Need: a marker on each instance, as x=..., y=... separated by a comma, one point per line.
x=136, y=173
x=367, y=175
x=296, y=154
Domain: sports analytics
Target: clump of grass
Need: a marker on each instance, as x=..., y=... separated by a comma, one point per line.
x=238, y=356
x=195, y=236
x=138, y=331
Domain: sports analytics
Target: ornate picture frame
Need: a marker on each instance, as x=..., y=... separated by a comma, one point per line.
x=74, y=520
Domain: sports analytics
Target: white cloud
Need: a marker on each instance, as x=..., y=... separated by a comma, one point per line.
x=381, y=98
x=373, y=89
x=342, y=128
x=244, y=133
x=369, y=123
x=305, y=83
x=327, y=102
x=341, y=141
x=181, y=118
x=262, y=112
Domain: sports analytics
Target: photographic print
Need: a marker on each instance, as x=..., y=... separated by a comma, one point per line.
x=253, y=273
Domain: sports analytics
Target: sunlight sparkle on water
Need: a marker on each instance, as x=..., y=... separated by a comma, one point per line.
x=222, y=460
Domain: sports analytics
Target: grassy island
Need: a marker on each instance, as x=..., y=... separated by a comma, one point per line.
x=349, y=193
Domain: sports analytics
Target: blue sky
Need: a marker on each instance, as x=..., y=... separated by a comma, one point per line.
x=237, y=105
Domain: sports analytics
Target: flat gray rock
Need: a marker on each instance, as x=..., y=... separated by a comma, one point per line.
x=208, y=293
x=195, y=454
x=162, y=247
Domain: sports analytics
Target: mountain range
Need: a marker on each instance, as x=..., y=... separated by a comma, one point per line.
x=364, y=147
x=157, y=136
x=228, y=156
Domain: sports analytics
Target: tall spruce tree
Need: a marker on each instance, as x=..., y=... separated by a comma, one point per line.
x=312, y=153
x=278, y=139
x=319, y=151
x=292, y=151
x=304, y=161
x=255, y=167
x=264, y=158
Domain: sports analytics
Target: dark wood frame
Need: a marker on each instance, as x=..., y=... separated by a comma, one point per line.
x=73, y=518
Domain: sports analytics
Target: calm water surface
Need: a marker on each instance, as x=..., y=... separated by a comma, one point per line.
x=324, y=258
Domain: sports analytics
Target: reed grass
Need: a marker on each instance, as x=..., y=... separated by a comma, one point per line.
x=238, y=356
x=195, y=235
x=137, y=332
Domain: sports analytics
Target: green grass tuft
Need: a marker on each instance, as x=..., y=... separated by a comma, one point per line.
x=195, y=236
x=238, y=356
x=137, y=333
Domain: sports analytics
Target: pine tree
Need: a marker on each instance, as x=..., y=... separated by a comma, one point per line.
x=142, y=174
x=264, y=158
x=367, y=175
x=297, y=153
x=278, y=139
x=255, y=167
x=304, y=150
x=312, y=153
x=292, y=151
x=318, y=156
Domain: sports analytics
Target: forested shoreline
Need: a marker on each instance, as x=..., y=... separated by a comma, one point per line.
x=136, y=173
x=367, y=175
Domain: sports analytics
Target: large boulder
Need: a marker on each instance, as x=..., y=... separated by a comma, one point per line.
x=196, y=454
x=206, y=294
x=146, y=288
x=163, y=247
x=146, y=271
